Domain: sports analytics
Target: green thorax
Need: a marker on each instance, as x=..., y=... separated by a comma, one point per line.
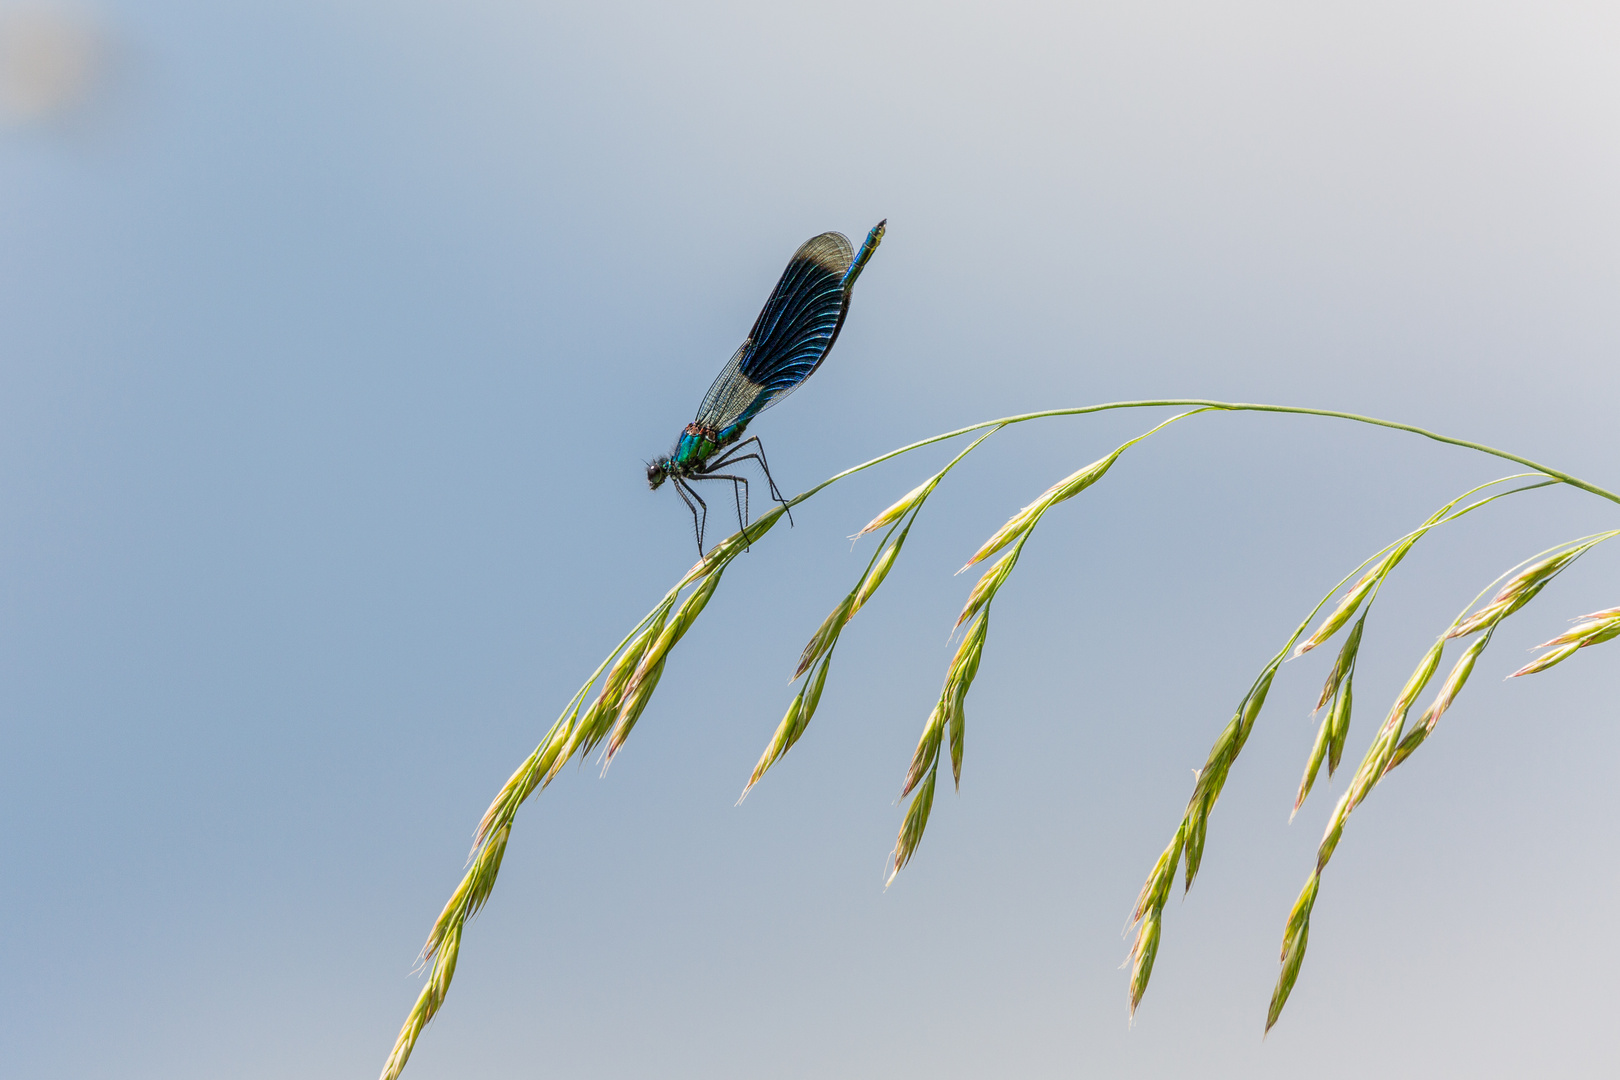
x=698, y=444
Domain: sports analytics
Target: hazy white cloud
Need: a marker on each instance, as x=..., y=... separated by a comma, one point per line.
x=50, y=62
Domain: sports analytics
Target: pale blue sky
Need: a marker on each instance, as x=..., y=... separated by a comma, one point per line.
x=333, y=339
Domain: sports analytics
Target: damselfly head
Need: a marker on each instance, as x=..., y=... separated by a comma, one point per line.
x=657, y=472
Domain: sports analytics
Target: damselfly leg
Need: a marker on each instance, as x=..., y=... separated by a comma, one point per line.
x=698, y=523
x=733, y=455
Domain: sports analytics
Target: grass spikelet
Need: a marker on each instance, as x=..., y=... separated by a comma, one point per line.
x=1144, y=950
x=1494, y=612
x=1156, y=889
x=826, y=635
x=729, y=548
x=874, y=576
x=913, y=499
x=907, y=501
x=1022, y=522
x=1418, y=679
x=1341, y=613
x=1345, y=661
x=964, y=668
x=1339, y=718
x=949, y=712
x=1016, y=526
x=1249, y=711
x=1600, y=626
x=1334, y=830
x=1212, y=777
x=1538, y=572
x=635, y=702
x=1442, y=701
x=599, y=718
x=1319, y=749
x=1149, y=916
x=1387, y=740
x=926, y=756
x=427, y=1004
x=521, y=784
x=1597, y=627
x=470, y=894
x=985, y=589
x=673, y=631
x=1523, y=587
x=1295, y=936
x=640, y=689
x=799, y=712
x=1547, y=660
x=911, y=830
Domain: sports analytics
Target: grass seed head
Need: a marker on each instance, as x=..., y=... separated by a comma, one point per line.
x=1156, y=889
x=1334, y=830
x=1025, y=520
x=1016, y=526
x=1547, y=660
x=911, y=830
x=787, y=732
x=800, y=710
x=1197, y=832
x=634, y=703
x=907, y=501
x=1419, y=679
x=672, y=632
x=985, y=589
x=874, y=577
x=1592, y=629
x=1078, y=481
x=1454, y=683
x=924, y=758
x=1496, y=611
x=598, y=719
x=1343, y=663
x=958, y=680
x=1339, y=718
x=1341, y=614
x=1295, y=938
x=732, y=546
x=1319, y=749
x=1537, y=573
x=826, y=635
x=1144, y=950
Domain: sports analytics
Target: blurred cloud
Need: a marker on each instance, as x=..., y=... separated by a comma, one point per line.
x=51, y=61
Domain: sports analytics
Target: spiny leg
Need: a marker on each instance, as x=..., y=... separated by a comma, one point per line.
x=698, y=524
x=774, y=493
x=732, y=456
x=740, y=493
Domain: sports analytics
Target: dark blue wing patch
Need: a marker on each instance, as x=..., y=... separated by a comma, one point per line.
x=791, y=337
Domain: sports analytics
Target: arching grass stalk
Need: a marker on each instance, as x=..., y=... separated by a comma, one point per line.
x=633, y=667
x=1393, y=744
x=1188, y=840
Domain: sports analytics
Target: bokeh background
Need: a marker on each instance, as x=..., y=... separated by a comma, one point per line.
x=333, y=337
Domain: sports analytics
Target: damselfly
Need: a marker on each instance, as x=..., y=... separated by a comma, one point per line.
x=792, y=336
